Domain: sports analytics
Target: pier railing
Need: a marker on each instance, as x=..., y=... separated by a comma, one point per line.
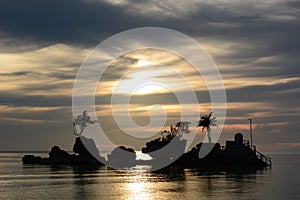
x=262, y=157
x=267, y=160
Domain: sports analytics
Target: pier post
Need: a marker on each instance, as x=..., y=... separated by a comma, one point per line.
x=251, y=142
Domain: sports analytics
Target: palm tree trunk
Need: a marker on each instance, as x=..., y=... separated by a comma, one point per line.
x=208, y=135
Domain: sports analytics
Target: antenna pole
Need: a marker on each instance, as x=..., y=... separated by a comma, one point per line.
x=251, y=142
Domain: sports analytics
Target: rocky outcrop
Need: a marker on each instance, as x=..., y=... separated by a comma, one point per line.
x=58, y=156
x=84, y=155
x=31, y=159
x=122, y=157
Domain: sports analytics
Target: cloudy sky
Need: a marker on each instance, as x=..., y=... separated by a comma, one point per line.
x=255, y=45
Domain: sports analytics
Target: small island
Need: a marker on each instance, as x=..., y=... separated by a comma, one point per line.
x=238, y=153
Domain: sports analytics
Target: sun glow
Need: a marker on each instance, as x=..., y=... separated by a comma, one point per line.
x=143, y=81
x=139, y=86
x=144, y=63
x=149, y=88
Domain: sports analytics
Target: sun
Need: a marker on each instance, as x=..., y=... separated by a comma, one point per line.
x=140, y=86
x=149, y=88
x=141, y=80
x=145, y=63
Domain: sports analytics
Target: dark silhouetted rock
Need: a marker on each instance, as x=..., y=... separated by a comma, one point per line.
x=121, y=157
x=165, y=148
x=59, y=156
x=31, y=159
x=87, y=151
x=57, y=153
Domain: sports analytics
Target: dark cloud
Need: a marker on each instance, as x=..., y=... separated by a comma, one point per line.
x=257, y=30
x=118, y=68
x=41, y=75
x=21, y=99
x=66, y=21
x=282, y=95
x=14, y=74
x=293, y=4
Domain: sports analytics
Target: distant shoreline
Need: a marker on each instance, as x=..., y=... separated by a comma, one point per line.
x=11, y=151
x=47, y=151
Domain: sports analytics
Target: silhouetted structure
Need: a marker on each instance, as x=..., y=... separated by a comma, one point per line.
x=237, y=153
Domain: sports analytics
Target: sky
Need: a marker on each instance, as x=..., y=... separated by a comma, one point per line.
x=255, y=45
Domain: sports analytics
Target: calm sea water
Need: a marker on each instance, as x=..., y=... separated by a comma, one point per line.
x=19, y=181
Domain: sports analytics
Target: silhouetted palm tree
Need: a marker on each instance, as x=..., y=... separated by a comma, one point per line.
x=207, y=121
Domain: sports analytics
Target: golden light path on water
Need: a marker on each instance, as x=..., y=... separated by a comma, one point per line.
x=135, y=184
x=139, y=187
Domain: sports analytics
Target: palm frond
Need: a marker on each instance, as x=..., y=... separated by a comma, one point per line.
x=206, y=121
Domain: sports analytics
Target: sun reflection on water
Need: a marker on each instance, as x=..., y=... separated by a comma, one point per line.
x=138, y=190
x=139, y=186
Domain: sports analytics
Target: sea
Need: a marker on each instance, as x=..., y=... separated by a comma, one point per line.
x=18, y=181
